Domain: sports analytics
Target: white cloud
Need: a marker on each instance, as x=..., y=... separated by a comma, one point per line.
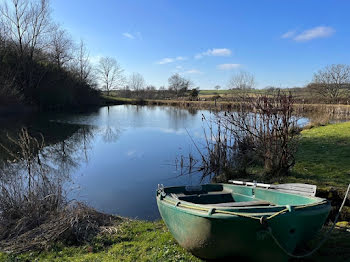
x=168, y=60
x=228, y=66
x=288, y=34
x=316, y=32
x=193, y=71
x=307, y=35
x=128, y=35
x=180, y=58
x=165, y=61
x=219, y=52
x=214, y=52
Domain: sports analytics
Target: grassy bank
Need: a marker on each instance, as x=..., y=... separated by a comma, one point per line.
x=323, y=157
x=130, y=241
x=151, y=241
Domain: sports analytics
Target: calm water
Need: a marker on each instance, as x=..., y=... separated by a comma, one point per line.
x=115, y=157
x=132, y=149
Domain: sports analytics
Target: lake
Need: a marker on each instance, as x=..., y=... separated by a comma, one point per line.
x=116, y=156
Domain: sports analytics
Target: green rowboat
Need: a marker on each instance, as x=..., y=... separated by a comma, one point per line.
x=244, y=220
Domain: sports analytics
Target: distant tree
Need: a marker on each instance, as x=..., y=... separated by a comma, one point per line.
x=243, y=81
x=217, y=87
x=179, y=84
x=110, y=73
x=330, y=81
x=271, y=89
x=194, y=93
x=150, y=88
x=137, y=83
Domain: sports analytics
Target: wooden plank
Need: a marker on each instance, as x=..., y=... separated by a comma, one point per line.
x=241, y=204
x=296, y=188
x=237, y=182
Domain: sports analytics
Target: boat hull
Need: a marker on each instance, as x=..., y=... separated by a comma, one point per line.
x=217, y=236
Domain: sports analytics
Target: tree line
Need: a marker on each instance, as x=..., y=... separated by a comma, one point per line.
x=329, y=85
x=40, y=63
x=113, y=81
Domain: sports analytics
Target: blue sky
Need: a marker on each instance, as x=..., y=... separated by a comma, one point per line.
x=281, y=42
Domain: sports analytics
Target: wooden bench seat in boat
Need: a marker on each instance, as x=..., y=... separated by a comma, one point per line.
x=212, y=198
x=219, y=199
x=242, y=204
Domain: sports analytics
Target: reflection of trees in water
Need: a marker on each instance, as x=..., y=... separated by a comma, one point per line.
x=110, y=133
x=35, y=171
x=33, y=177
x=192, y=111
x=179, y=117
x=325, y=117
x=66, y=154
x=29, y=184
x=57, y=155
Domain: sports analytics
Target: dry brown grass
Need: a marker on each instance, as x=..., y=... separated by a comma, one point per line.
x=75, y=224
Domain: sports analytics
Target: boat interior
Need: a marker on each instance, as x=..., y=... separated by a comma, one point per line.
x=227, y=195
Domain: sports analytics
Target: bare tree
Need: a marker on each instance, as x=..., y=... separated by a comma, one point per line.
x=330, y=81
x=61, y=47
x=82, y=65
x=136, y=83
x=243, y=81
x=26, y=23
x=2, y=36
x=110, y=73
x=179, y=84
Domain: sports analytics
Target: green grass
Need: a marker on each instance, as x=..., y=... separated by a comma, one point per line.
x=214, y=92
x=151, y=241
x=132, y=241
x=323, y=157
x=119, y=99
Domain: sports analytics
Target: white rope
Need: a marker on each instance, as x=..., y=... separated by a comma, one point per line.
x=325, y=238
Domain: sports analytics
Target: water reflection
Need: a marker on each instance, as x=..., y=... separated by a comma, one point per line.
x=116, y=155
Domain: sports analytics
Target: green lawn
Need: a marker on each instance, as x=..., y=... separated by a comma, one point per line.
x=323, y=156
x=132, y=241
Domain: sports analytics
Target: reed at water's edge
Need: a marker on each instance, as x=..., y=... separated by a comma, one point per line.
x=336, y=109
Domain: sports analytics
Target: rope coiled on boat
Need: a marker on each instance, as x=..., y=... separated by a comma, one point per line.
x=264, y=219
x=239, y=214
x=324, y=239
